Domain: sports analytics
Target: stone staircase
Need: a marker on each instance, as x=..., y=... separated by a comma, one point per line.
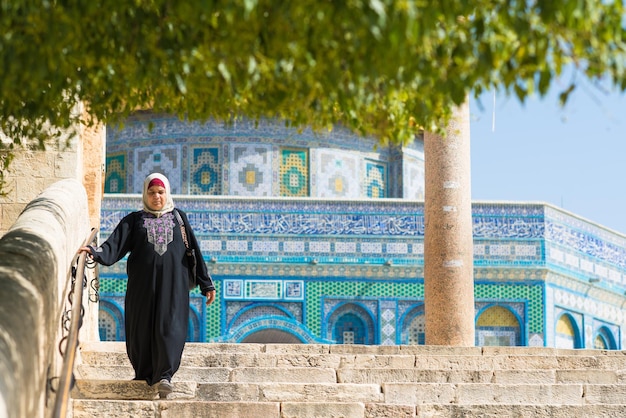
x=281, y=380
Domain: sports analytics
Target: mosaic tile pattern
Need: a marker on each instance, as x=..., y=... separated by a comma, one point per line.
x=205, y=171
x=497, y=325
x=164, y=159
x=411, y=321
x=337, y=175
x=147, y=128
x=238, y=313
x=413, y=175
x=375, y=180
x=115, y=177
x=387, y=318
x=294, y=172
x=250, y=170
x=251, y=157
x=532, y=294
x=273, y=322
x=349, y=318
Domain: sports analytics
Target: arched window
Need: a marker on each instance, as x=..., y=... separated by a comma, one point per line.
x=603, y=339
x=417, y=330
x=351, y=324
x=272, y=336
x=349, y=329
x=110, y=322
x=414, y=327
x=498, y=326
x=567, y=334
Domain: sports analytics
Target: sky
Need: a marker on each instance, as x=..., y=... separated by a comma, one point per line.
x=573, y=157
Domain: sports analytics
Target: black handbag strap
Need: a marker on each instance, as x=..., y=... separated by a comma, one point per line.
x=182, y=228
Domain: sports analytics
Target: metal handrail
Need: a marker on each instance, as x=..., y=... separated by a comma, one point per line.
x=66, y=379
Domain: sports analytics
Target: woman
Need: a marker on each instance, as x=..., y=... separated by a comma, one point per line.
x=157, y=294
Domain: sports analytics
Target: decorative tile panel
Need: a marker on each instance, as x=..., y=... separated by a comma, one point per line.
x=250, y=170
x=375, y=182
x=205, y=171
x=115, y=173
x=265, y=289
x=162, y=159
x=413, y=175
x=294, y=290
x=233, y=289
x=294, y=172
x=337, y=175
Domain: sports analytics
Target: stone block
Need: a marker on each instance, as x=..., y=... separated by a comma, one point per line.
x=229, y=392
x=364, y=349
x=381, y=410
x=195, y=359
x=322, y=410
x=377, y=361
x=10, y=212
x=203, y=374
x=299, y=348
x=89, y=408
x=412, y=375
x=510, y=411
x=460, y=362
x=293, y=375
x=330, y=392
x=128, y=390
x=27, y=188
x=605, y=394
x=32, y=164
x=603, y=377
x=105, y=372
x=309, y=360
x=524, y=362
x=418, y=393
x=589, y=361
x=470, y=394
x=217, y=410
x=66, y=164
x=513, y=377
x=10, y=191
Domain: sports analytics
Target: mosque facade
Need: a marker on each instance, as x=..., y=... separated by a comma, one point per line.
x=318, y=237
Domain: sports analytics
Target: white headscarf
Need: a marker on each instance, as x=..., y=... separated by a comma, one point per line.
x=169, y=202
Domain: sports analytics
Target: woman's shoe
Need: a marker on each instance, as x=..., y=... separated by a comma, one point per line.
x=165, y=388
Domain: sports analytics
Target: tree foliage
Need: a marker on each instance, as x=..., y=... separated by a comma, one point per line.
x=381, y=67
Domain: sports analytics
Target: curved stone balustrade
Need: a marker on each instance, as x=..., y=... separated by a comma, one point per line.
x=35, y=262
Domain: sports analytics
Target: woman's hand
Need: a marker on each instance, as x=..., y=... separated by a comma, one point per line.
x=85, y=250
x=210, y=297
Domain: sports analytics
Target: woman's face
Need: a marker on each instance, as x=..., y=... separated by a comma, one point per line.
x=157, y=195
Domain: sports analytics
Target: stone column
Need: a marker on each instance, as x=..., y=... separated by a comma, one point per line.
x=92, y=141
x=448, y=245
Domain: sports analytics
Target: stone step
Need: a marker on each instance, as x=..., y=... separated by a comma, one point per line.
x=486, y=393
x=388, y=393
x=220, y=374
x=230, y=392
x=509, y=377
x=250, y=355
x=83, y=408
x=417, y=350
x=88, y=408
x=366, y=375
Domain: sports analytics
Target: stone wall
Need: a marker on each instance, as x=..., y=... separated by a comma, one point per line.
x=31, y=171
